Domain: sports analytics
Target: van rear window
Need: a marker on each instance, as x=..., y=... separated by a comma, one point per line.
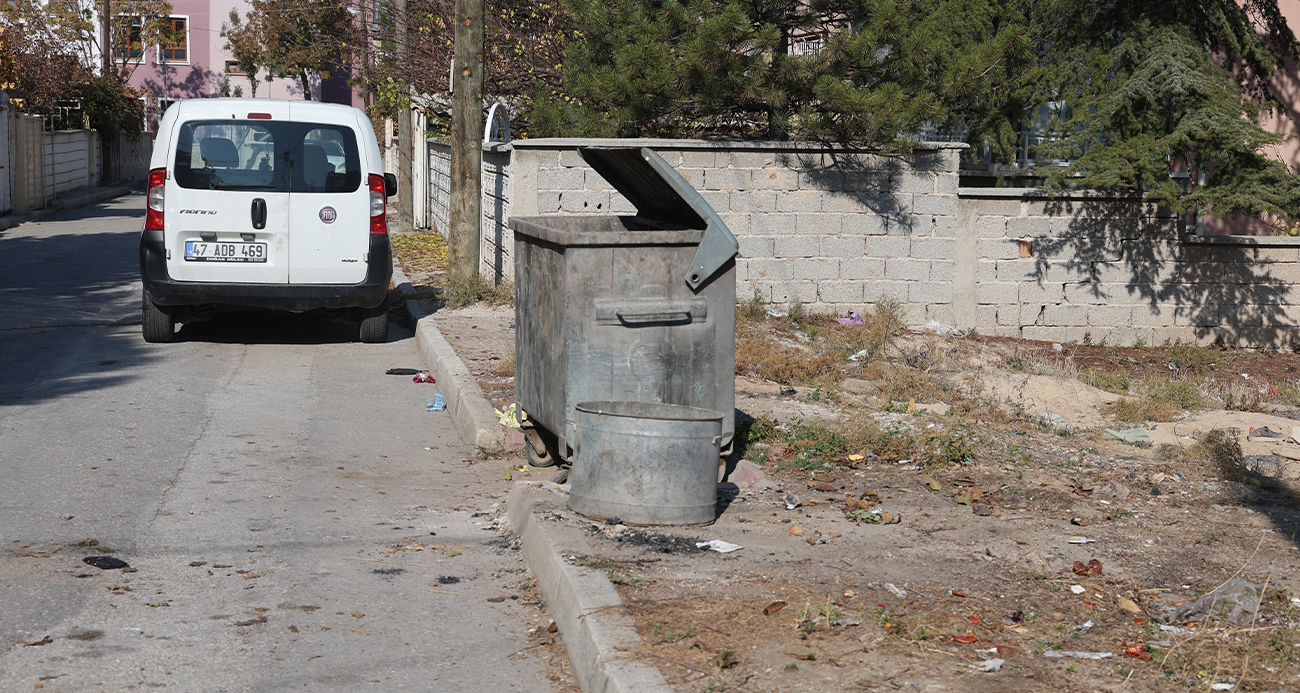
x=267, y=156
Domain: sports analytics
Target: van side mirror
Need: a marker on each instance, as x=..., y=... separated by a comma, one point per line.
x=390, y=185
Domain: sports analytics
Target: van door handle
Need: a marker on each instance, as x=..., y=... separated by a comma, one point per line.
x=259, y=213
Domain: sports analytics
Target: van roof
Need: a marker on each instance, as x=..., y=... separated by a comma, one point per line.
x=301, y=109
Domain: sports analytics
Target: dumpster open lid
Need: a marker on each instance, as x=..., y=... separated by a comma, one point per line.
x=659, y=193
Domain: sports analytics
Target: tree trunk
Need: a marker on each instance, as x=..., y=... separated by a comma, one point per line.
x=306, y=87
x=466, y=137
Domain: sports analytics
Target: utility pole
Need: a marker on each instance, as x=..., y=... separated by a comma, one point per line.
x=106, y=57
x=406, y=139
x=466, y=216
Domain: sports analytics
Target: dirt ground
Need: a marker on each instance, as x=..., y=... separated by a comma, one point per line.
x=981, y=564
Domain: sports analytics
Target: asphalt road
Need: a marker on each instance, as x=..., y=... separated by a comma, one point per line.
x=256, y=474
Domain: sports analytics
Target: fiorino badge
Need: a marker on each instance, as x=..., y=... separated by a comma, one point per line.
x=328, y=215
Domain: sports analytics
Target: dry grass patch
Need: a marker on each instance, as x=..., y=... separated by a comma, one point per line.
x=787, y=365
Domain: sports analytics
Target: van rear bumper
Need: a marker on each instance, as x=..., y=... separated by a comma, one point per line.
x=295, y=298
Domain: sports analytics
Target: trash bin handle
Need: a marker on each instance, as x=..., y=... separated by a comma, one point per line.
x=653, y=315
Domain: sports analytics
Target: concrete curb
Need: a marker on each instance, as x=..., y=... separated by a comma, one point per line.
x=598, y=634
x=469, y=409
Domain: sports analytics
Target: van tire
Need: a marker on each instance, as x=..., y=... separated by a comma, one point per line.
x=374, y=325
x=156, y=324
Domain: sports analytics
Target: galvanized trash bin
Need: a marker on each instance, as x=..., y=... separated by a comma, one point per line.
x=624, y=308
x=646, y=463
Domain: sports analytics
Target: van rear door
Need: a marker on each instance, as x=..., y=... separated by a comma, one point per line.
x=227, y=200
x=329, y=203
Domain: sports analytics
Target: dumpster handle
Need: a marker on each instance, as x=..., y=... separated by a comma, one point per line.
x=653, y=315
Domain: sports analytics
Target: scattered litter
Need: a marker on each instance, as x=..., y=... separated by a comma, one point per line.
x=1090, y=569
x=1078, y=655
x=1132, y=436
x=1175, y=630
x=774, y=313
x=1265, y=432
x=988, y=665
x=936, y=327
x=1077, y=589
x=773, y=608
x=1236, y=602
x=435, y=404
x=423, y=377
x=1129, y=605
x=718, y=545
x=105, y=562
x=1222, y=686
x=1081, y=540
x=1087, y=626
x=795, y=530
x=858, y=356
x=890, y=588
x=510, y=416
x=1079, y=521
x=1136, y=650
x=792, y=501
x=1162, y=644
x=853, y=319
x=872, y=518
x=931, y=482
x=402, y=371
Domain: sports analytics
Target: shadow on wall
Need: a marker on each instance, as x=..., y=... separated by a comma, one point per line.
x=196, y=85
x=1126, y=251
x=869, y=181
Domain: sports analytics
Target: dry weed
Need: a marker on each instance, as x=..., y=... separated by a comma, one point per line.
x=787, y=365
x=1139, y=409
x=897, y=382
x=506, y=366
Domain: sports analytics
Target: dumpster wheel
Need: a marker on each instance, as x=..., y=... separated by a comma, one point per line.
x=540, y=448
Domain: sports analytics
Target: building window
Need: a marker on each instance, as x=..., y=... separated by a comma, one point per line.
x=233, y=68
x=126, y=39
x=277, y=70
x=178, y=51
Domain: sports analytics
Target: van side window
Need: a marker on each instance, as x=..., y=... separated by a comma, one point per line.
x=231, y=155
x=324, y=159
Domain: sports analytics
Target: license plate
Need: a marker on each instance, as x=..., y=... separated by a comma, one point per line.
x=212, y=251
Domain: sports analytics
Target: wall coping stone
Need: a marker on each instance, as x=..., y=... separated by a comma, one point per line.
x=660, y=143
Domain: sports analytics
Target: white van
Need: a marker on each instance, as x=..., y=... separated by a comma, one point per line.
x=263, y=203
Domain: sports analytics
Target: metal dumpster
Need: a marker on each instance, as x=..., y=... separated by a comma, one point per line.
x=630, y=308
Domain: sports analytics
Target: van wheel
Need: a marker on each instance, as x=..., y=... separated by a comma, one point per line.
x=156, y=323
x=374, y=325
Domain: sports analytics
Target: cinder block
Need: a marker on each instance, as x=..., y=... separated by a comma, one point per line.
x=771, y=269
x=1033, y=292
x=548, y=202
x=796, y=246
x=1068, y=271
x=907, y=269
x=991, y=226
x=717, y=199
x=585, y=202
x=817, y=224
x=1020, y=270
x=889, y=246
x=762, y=201
x=986, y=317
x=698, y=158
x=946, y=183
x=945, y=227
x=744, y=159
x=840, y=292
x=873, y=292
x=842, y=246
x=619, y=205
x=1029, y=226
x=824, y=179
x=771, y=224
x=1007, y=315
x=738, y=179
x=934, y=248
x=1088, y=293
x=867, y=181
x=1065, y=314
x=998, y=248
x=737, y=223
x=919, y=183
x=986, y=271
x=787, y=292
x=1054, y=334
x=570, y=158
x=941, y=270
x=1110, y=316
x=755, y=246
x=775, y=179
x=694, y=176
x=816, y=269
x=865, y=224
x=934, y=204
x=939, y=312
x=799, y=201
x=863, y=268
x=914, y=314
x=1154, y=315
x=565, y=179
x=845, y=203
x=929, y=292
x=997, y=293
x=997, y=207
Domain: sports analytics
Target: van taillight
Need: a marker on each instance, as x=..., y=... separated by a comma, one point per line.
x=378, y=208
x=153, y=216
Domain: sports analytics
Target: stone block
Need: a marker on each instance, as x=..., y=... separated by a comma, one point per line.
x=730, y=179
x=934, y=204
x=862, y=268
x=694, y=176
x=737, y=223
x=939, y=312
x=1054, y=333
x=913, y=314
x=933, y=248
x=907, y=269
x=1022, y=227
x=571, y=159
x=985, y=318
x=1065, y=314
x=946, y=183
x=788, y=292
x=548, y=202
x=997, y=207
x=997, y=248
x=1007, y=315
x=1110, y=316
x=929, y=292
x=775, y=179
x=698, y=158
x=1019, y=270
x=919, y=183
x=1154, y=315
x=873, y=292
x=771, y=269
x=844, y=203
x=755, y=246
x=584, y=202
x=719, y=200
x=753, y=202
x=745, y=159
x=799, y=201
x=796, y=246
x=619, y=205
x=998, y=293
x=840, y=292
x=771, y=224
x=866, y=181
x=864, y=224
x=1034, y=292
x=945, y=227
x=842, y=246
x=889, y=246
x=823, y=179
x=816, y=269
x=1089, y=293
x=991, y=226
x=817, y=224
x=941, y=270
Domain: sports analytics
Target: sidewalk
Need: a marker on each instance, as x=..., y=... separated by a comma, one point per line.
x=68, y=200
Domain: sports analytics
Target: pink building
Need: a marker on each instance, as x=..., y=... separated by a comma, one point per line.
x=198, y=66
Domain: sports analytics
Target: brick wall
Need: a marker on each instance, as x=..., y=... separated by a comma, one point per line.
x=838, y=231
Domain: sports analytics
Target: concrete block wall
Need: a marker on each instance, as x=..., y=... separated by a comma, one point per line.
x=839, y=231
x=496, y=244
x=70, y=160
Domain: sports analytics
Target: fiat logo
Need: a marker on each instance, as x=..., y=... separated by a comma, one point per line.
x=328, y=215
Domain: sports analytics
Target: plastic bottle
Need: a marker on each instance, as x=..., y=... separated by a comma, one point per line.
x=435, y=404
